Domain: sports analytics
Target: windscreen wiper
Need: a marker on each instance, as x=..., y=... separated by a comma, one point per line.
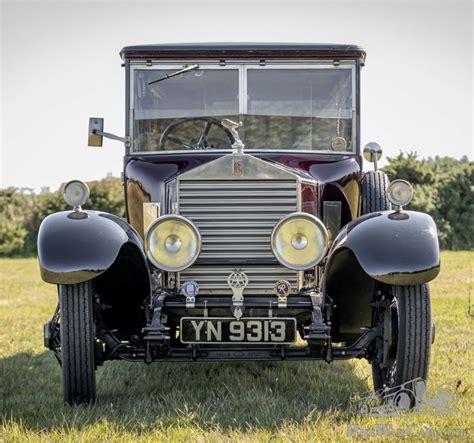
x=174, y=74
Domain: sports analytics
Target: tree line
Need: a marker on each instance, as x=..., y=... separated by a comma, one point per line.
x=443, y=187
x=21, y=212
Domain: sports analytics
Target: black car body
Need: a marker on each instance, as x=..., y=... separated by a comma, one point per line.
x=236, y=249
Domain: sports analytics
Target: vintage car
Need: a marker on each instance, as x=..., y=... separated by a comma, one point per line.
x=251, y=231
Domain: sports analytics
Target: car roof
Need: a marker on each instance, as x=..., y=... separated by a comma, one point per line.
x=244, y=50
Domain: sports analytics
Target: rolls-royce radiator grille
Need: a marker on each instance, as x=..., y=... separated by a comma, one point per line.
x=236, y=219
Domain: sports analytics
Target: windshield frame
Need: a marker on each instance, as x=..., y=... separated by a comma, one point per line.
x=243, y=66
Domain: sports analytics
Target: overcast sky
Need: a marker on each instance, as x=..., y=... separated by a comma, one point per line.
x=60, y=65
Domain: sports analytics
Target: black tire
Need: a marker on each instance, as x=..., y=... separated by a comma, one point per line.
x=410, y=309
x=77, y=342
x=374, y=192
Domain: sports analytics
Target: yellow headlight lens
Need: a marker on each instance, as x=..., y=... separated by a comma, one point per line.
x=172, y=243
x=299, y=241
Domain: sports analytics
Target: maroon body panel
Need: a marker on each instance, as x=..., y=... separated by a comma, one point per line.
x=338, y=177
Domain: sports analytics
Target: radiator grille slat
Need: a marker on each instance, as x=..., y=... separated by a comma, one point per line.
x=236, y=219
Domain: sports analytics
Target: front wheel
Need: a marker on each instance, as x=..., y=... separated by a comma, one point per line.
x=404, y=353
x=77, y=342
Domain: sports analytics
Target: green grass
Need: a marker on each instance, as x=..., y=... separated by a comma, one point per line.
x=217, y=401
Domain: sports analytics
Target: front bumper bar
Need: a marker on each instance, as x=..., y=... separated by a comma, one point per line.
x=293, y=302
x=199, y=353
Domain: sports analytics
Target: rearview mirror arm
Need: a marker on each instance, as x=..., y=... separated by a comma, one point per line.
x=124, y=140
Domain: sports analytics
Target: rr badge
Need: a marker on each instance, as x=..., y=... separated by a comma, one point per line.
x=282, y=289
x=237, y=167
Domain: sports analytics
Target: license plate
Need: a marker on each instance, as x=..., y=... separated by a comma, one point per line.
x=244, y=330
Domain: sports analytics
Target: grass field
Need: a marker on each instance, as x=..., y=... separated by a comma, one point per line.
x=219, y=401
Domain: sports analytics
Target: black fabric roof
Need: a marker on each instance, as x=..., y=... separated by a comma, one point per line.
x=243, y=50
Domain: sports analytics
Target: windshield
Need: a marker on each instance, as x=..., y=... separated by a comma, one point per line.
x=280, y=108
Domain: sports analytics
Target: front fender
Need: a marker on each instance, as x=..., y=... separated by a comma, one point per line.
x=78, y=246
x=397, y=248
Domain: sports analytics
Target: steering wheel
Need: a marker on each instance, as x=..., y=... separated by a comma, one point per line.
x=202, y=142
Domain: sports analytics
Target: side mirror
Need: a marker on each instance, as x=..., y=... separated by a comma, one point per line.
x=372, y=153
x=96, y=127
x=97, y=134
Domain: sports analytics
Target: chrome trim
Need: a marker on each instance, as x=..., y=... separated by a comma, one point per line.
x=299, y=197
x=253, y=168
x=151, y=211
x=247, y=151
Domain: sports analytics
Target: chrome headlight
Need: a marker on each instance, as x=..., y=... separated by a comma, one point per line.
x=400, y=193
x=76, y=193
x=172, y=243
x=299, y=241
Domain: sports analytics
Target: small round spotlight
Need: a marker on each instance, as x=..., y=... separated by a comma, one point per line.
x=400, y=193
x=299, y=241
x=76, y=193
x=172, y=243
